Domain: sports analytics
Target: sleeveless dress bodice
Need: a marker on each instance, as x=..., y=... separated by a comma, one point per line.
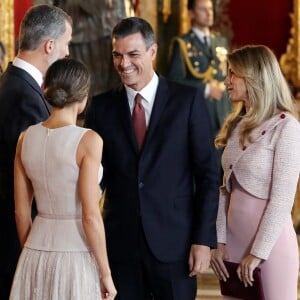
x=58, y=225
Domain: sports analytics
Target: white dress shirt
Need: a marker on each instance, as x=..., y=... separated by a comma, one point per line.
x=200, y=34
x=148, y=93
x=29, y=68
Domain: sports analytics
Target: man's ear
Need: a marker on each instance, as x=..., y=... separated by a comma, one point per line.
x=153, y=50
x=49, y=46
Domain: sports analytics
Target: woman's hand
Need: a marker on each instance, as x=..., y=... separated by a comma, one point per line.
x=246, y=268
x=108, y=290
x=217, y=257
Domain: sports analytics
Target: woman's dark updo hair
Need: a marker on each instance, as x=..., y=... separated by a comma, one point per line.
x=67, y=81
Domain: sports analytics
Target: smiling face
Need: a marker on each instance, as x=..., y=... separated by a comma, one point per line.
x=133, y=61
x=236, y=87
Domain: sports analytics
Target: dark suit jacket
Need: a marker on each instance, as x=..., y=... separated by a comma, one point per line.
x=170, y=188
x=21, y=104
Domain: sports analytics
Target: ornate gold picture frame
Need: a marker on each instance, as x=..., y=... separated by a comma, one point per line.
x=290, y=61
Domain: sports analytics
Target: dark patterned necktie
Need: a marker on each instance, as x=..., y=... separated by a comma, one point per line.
x=205, y=42
x=139, y=120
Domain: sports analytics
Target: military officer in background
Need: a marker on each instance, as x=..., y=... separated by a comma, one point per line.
x=198, y=58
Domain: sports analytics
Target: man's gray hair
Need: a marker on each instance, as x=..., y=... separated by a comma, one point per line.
x=42, y=22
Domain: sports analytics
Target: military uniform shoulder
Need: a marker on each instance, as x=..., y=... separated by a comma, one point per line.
x=188, y=36
x=216, y=33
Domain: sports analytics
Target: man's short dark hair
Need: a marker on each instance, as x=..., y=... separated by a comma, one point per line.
x=192, y=3
x=133, y=25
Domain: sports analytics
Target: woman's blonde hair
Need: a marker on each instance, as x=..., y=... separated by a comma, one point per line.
x=267, y=89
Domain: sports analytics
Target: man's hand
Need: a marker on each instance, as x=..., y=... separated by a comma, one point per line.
x=216, y=90
x=199, y=259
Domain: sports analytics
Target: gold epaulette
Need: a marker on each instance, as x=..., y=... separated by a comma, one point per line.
x=205, y=76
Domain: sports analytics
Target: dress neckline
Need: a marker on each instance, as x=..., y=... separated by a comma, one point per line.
x=61, y=127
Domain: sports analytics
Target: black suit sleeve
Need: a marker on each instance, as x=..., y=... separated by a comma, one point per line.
x=206, y=175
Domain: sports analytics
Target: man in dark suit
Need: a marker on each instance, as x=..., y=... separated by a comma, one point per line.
x=44, y=37
x=161, y=185
x=198, y=58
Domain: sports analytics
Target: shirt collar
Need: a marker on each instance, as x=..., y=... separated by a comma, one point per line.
x=148, y=92
x=29, y=68
x=200, y=34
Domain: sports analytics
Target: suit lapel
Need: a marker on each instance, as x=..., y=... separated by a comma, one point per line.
x=36, y=87
x=30, y=80
x=160, y=101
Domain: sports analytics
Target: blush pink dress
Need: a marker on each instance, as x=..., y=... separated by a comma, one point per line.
x=280, y=270
x=56, y=262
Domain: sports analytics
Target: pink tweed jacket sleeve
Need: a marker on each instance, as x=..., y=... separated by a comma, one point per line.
x=268, y=169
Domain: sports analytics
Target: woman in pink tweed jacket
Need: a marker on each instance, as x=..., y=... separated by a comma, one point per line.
x=261, y=163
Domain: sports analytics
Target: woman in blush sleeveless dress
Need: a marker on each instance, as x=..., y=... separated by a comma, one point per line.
x=261, y=162
x=64, y=251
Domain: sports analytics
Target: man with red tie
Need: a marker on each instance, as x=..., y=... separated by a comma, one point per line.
x=160, y=174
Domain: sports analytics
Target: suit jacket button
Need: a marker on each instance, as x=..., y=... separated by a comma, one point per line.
x=141, y=185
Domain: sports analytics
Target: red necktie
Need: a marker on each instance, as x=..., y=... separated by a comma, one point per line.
x=139, y=120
